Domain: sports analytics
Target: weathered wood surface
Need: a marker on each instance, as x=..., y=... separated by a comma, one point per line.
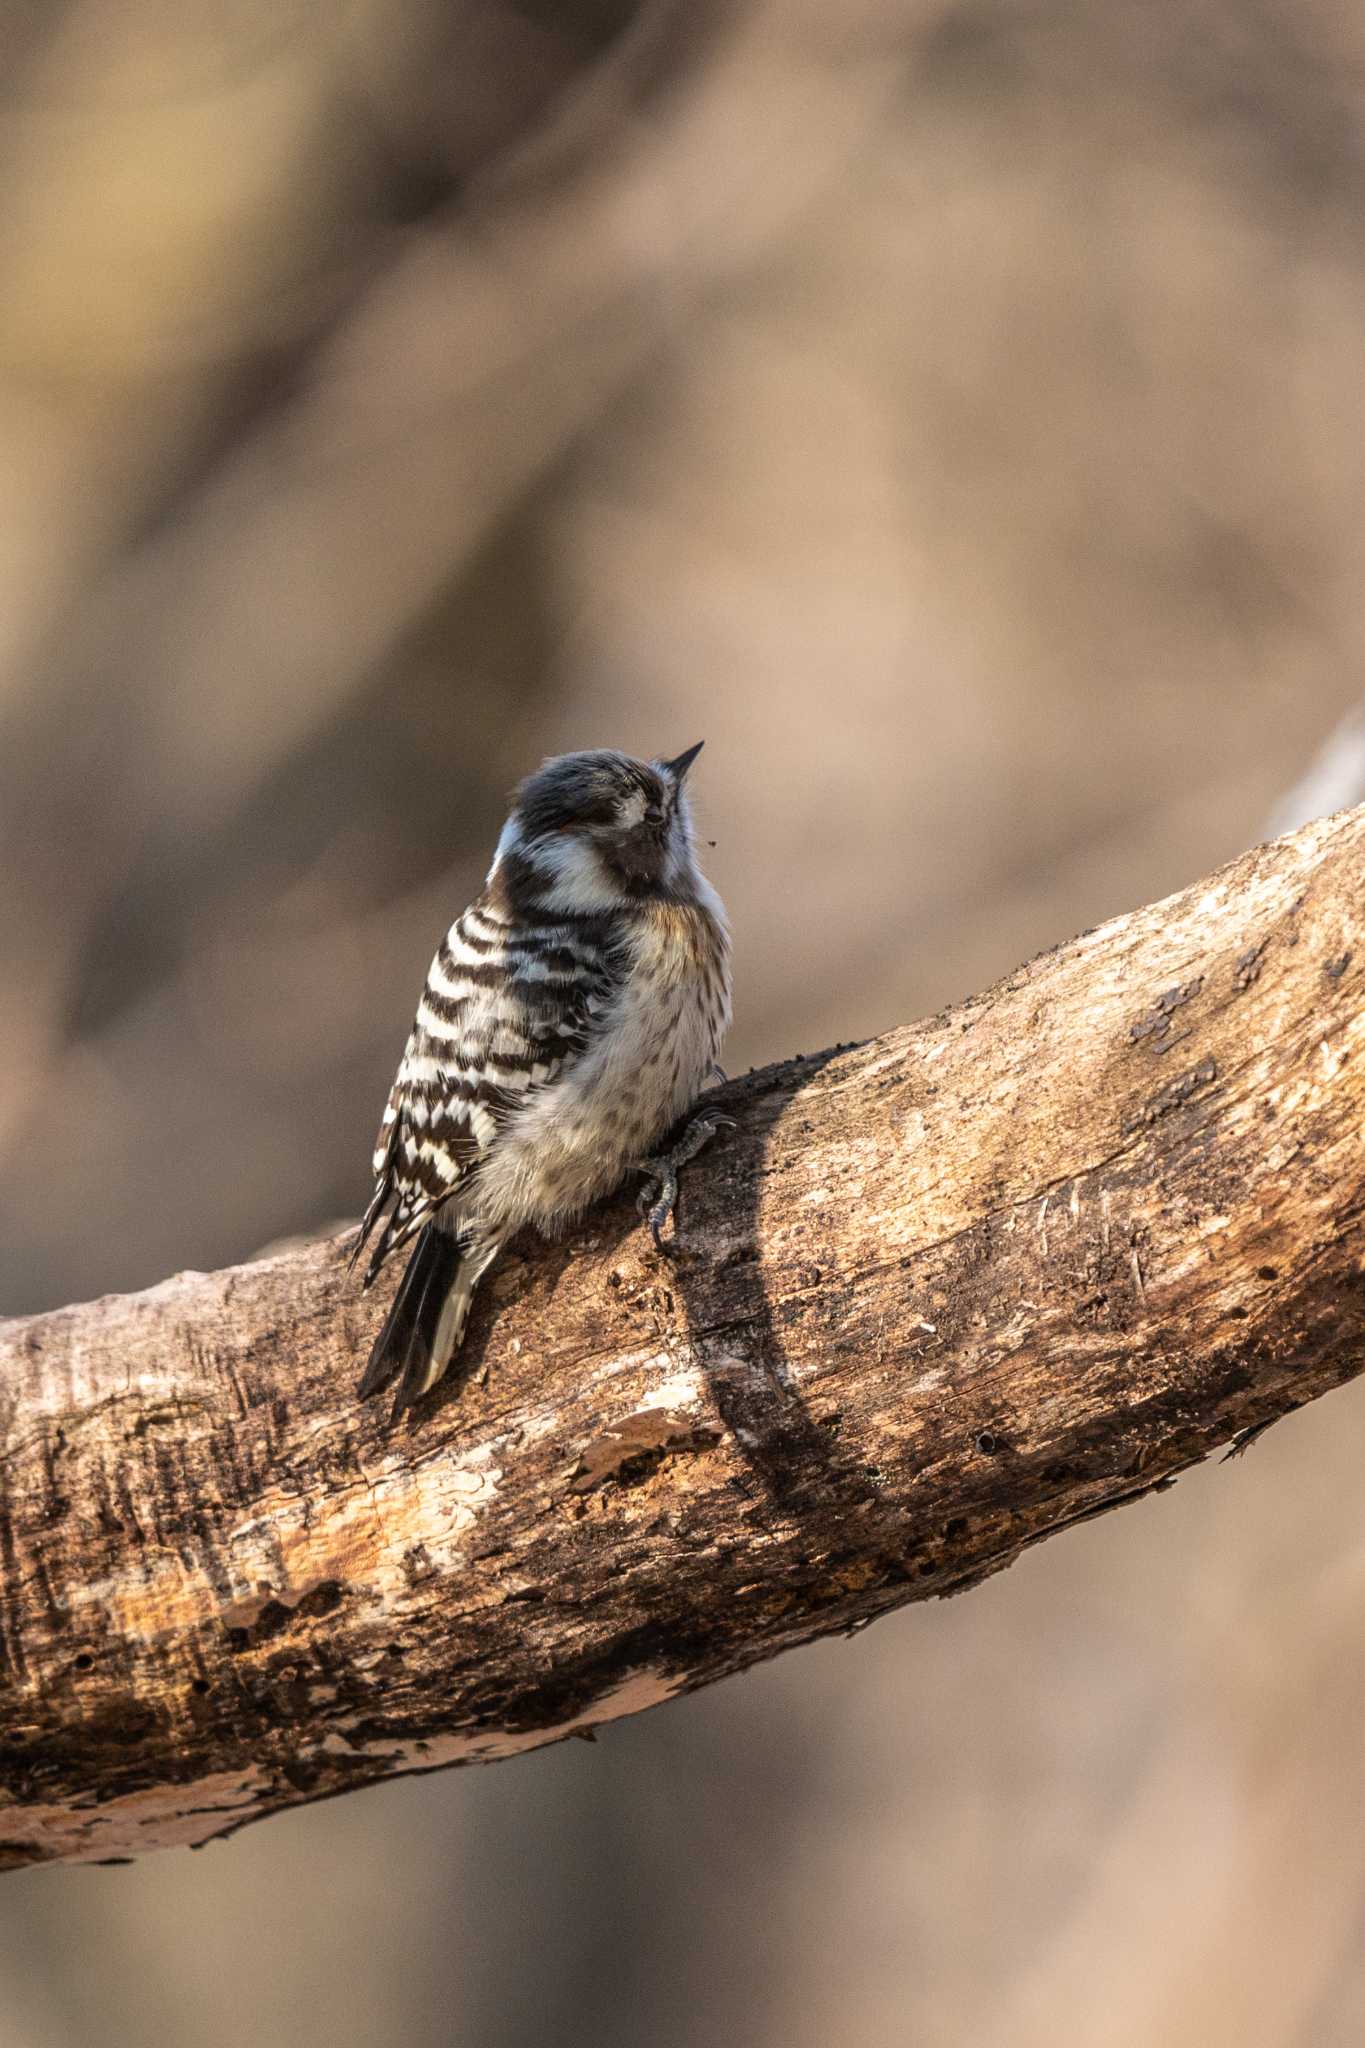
x=942, y=1295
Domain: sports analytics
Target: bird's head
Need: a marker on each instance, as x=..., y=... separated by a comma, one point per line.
x=595, y=831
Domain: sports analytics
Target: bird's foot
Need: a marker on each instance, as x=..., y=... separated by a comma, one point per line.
x=658, y=1197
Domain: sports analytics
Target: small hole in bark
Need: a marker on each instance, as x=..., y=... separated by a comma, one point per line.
x=955, y=1528
x=199, y=1685
x=1267, y=1272
x=987, y=1443
x=85, y=1662
x=1238, y=1315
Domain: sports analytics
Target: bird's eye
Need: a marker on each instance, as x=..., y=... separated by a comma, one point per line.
x=654, y=814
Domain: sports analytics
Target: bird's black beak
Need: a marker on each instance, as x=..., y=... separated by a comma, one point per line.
x=679, y=767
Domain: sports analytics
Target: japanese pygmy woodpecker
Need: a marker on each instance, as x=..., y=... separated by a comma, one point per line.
x=571, y=1016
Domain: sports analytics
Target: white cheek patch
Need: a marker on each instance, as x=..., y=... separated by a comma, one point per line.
x=576, y=876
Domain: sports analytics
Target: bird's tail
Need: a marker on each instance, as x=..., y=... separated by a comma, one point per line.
x=424, y=1326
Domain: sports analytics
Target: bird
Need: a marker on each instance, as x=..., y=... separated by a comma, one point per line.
x=571, y=1016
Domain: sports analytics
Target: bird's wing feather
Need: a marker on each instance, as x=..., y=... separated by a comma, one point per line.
x=507, y=1004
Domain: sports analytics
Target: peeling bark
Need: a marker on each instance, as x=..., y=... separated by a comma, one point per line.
x=938, y=1297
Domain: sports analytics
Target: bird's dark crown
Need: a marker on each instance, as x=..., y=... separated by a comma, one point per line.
x=591, y=788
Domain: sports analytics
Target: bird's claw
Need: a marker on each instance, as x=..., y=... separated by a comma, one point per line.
x=658, y=1197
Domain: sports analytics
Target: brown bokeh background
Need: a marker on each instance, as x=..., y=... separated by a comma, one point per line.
x=951, y=412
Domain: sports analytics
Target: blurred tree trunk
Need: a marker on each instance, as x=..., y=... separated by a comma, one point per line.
x=937, y=1297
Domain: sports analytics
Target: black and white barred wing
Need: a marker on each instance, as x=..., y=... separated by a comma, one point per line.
x=506, y=1005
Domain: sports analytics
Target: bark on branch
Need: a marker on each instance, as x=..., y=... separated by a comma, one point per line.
x=940, y=1296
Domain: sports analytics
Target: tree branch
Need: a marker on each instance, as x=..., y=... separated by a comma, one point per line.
x=939, y=1296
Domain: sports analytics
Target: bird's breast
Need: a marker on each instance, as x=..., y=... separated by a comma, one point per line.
x=649, y=1058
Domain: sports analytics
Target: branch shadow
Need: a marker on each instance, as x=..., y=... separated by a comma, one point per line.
x=738, y=1330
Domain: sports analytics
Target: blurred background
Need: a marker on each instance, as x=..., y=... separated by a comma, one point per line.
x=951, y=413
